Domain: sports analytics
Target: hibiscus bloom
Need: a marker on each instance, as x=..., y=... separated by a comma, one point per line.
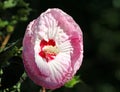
x=52, y=49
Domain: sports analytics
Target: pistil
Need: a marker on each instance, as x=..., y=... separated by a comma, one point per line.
x=48, y=50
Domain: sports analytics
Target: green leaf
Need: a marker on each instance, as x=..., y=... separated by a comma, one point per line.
x=116, y=3
x=29, y=83
x=1, y=5
x=13, y=22
x=9, y=51
x=23, y=18
x=22, y=3
x=110, y=18
x=72, y=82
x=9, y=4
x=10, y=28
x=12, y=72
x=23, y=11
x=3, y=23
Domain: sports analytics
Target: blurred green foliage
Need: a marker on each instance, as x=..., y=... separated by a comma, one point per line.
x=99, y=21
x=12, y=12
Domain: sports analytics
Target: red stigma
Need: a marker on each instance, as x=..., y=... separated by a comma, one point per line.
x=47, y=56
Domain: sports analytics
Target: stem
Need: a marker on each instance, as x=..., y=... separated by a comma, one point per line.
x=5, y=41
x=43, y=89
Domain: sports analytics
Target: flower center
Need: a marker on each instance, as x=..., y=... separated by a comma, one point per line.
x=48, y=49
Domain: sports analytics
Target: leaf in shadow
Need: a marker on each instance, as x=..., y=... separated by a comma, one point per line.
x=12, y=72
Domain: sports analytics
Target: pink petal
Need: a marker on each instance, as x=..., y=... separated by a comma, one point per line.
x=58, y=71
x=75, y=35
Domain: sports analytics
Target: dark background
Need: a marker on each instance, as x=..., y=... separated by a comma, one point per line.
x=100, y=23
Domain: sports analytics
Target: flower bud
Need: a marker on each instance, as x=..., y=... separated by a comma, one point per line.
x=52, y=49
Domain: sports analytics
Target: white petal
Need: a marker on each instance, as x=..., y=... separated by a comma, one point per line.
x=59, y=67
x=40, y=62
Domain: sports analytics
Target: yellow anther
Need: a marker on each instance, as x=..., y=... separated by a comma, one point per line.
x=51, y=49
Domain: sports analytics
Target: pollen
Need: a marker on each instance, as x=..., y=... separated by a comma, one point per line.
x=49, y=50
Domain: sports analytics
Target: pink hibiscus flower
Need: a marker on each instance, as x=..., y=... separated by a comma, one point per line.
x=52, y=49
